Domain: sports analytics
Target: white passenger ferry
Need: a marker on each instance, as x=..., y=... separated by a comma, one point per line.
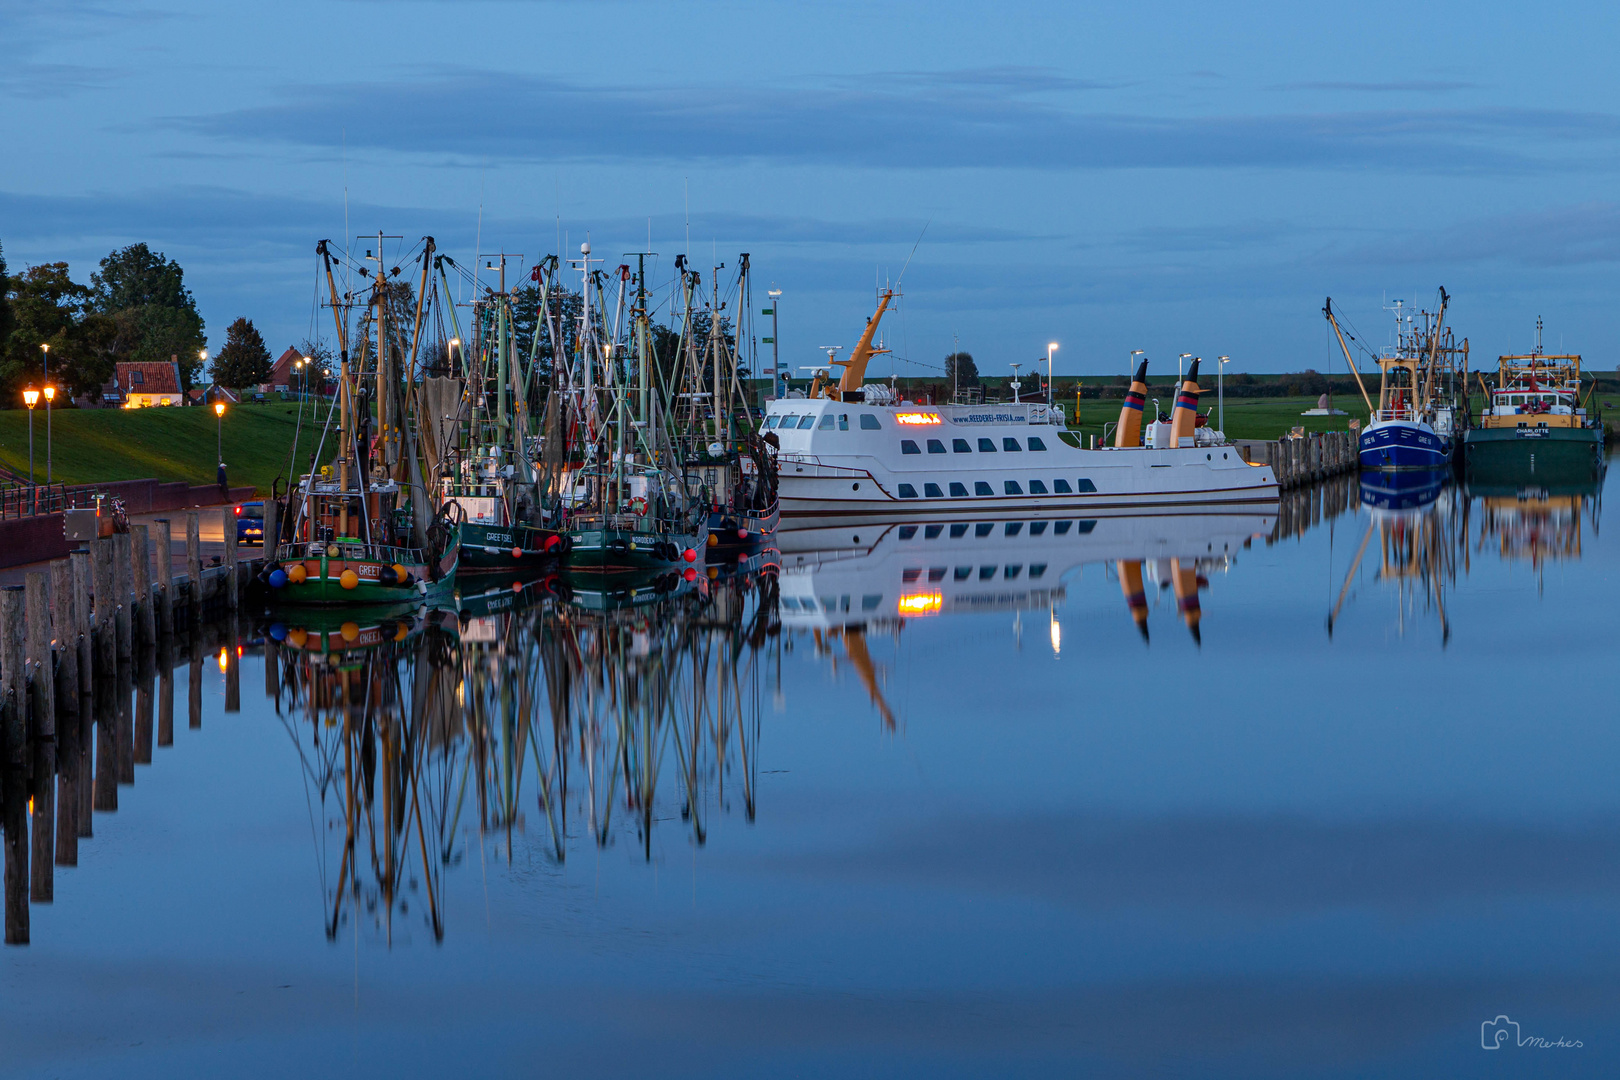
x=854, y=449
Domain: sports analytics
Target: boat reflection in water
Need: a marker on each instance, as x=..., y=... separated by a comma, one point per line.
x=415, y=732
x=1423, y=522
x=842, y=582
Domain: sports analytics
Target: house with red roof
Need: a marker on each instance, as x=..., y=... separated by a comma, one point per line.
x=142, y=386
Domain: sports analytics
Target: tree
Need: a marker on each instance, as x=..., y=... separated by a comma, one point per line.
x=961, y=370
x=156, y=314
x=322, y=359
x=47, y=308
x=7, y=321
x=244, y=361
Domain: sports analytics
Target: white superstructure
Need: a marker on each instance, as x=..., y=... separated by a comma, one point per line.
x=846, y=457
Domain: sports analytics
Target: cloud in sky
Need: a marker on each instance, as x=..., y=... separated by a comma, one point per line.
x=885, y=124
x=1392, y=86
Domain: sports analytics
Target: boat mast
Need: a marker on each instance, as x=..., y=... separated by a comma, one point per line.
x=1327, y=309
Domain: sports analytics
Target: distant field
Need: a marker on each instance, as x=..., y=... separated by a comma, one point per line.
x=1246, y=418
x=96, y=445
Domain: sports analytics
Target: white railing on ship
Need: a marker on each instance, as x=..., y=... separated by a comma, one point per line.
x=1393, y=414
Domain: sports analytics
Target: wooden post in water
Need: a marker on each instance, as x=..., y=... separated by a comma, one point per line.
x=64, y=601
x=165, y=576
x=272, y=670
x=66, y=625
x=43, y=875
x=233, y=668
x=105, y=603
x=143, y=705
x=106, y=782
x=37, y=643
x=232, y=586
x=194, y=684
x=123, y=589
x=87, y=754
x=14, y=821
x=14, y=674
x=272, y=530
x=141, y=553
x=165, y=660
x=194, y=566
x=122, y=691
x=79, y=558
x=67, y=790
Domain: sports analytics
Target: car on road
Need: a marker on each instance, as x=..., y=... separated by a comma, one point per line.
x=250, y=523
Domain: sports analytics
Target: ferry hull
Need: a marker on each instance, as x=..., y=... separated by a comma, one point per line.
x=1528, y=454
x=1403, y=444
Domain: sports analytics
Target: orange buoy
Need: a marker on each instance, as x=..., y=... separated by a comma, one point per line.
x=1128, y=433
x=350, y=631
x=296, y=573
x=298, y=635
x=401, y=573
x=349, y=579
x=713, y=539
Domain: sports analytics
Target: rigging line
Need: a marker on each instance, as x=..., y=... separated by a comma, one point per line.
x=914, y=247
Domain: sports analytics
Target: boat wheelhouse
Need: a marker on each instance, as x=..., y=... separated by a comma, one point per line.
x=1535, y=426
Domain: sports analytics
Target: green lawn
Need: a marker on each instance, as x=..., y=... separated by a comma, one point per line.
x=1246, y=418
x=97, y=445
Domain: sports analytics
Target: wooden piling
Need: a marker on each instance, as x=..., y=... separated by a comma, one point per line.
x=194, y=684
x=233, y=670
x=165, y=731
x=232, y=584
x=105, y=603
x=14, y=674
x=123, y=590
x=141, y=553
x=106, y=780
x=123, y=689
x=14, y=820
x=144, y=672
x=86, y=777
x=165, y=576
x=42, y=877
x=65, y=624
x=272, y=530
x=67, y=790
x=194, y=566
x=37, y=649
x=79, y=559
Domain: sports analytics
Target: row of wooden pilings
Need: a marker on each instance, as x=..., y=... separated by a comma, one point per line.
x=1303, y=459
x=75, y=642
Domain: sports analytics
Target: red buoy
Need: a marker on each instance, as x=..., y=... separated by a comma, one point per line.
x=691, y=573
x=517, y=553
x=689, y=555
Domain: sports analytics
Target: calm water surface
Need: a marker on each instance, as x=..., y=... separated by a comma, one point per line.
x=937, y=801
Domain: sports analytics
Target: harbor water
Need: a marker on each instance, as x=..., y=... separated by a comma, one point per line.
x=1323, y=788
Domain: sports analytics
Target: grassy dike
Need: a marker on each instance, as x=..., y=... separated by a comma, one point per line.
x=99, y=445
x=1246, y=418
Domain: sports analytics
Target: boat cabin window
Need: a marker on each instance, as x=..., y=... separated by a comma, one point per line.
x=1037, y=528
x=1035, y=443
x=932, y=491
x=958, y=491
x=1085, y=487
x=935, y=446
x=770, y=422
x=987, y=573
x=960, y=446
x=962, y=573
x=907, y=491
x=1012, y=528
x=870, y=601
x=806, y=421
x=870, y=422
x=907, y=531
x=1061, y=486
x=1036, y=569
x=1061, y=528
x=907, y=446
x=931, y=532
x=1011, y=487
x=936, y=573
x=981, y=488
x=958, y=530
x=1012, y=570
x=982, y=529
x=987, y=446
x=827, y=422
x=843, y=421
x=1037, y=487
x=911, y=574
x=1010, y=444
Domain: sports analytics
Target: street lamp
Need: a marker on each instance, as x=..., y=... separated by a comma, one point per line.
x=1186, y=356
x=303, y=369
x=1050, y=349
x=1015, y=384
x=46, y=347
x=219, y=441
x=31, y=397
x=1220, y=389
x=50, y=396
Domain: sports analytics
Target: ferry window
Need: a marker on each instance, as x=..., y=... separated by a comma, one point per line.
x=870, y=601
x=935, y=446
x=987, y=446
x=981, y=488
x=936, y=573
x=907, y=446
x=790, y=603
x=1012, y=528
x=1035, y=443
x=911, y=575
x=931, y=532
x=987, y=573
x=1061, y=487
x=959, y=530
x=843, y=421
x=1061, y=528
x=1013, y=570
x=962, y=573
x=1085, y=527
x=958, y=491
x=961, y=446
x=1036, y=570
x=1010, y=445
x=982, y=529
x=806, y=421
x=907, y=531
x=932, y=491
x=1037, y=487
x=827, y=421
x=907, y=491
x=870, y=422
x=1084, y=486
x=1011, y=487
x=1037, y=528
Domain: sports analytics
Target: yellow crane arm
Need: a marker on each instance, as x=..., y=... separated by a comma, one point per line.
x=855, y=366
x=1327, y=310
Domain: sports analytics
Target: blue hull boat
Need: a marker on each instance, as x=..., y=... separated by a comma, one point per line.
x=1387, y=445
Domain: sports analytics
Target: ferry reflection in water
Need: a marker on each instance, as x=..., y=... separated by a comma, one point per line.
x=414, y=730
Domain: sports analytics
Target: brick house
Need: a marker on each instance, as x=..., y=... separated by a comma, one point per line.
x=142, y=386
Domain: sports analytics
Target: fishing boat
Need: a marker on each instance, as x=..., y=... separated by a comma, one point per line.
x=360, y=530
x=1535, y=426
x=1417, y=420
x=855, y=448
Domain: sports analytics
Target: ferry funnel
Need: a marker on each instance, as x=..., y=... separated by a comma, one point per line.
x=1128, y=433
x=1185, y=579
x=1130, y=582
x=1184, y=420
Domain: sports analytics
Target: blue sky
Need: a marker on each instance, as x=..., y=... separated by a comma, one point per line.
x=1169, y=177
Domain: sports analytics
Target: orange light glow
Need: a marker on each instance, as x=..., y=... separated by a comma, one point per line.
x=921, y=604
x=224, y=659
x=916, y=419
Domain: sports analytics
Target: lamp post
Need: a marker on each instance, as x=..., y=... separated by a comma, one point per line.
x=31, y=398
x=50, y=396
x=1220, y=389
x=45, y=347
x=1015, y=384
x=219, y=441
x=1181, y=366
x=1050, y=349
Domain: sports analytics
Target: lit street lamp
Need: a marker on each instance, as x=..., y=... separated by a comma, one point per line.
x=46, y=348
x=1220, y=389
x=219, y=441
x=50, y=396
x=31, y=397
x=1050, y=349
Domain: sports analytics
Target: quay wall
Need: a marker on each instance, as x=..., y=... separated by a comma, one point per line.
x=42, y=537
